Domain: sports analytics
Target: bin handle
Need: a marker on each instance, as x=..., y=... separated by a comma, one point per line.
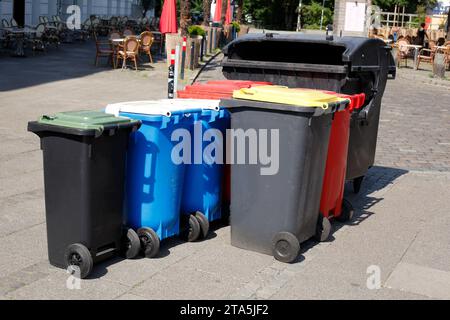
x=47, y=117
x=364, y=112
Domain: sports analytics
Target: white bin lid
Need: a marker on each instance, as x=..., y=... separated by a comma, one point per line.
x=164, y=107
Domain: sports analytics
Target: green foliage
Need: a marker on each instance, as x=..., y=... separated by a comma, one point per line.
x=236, y=26
x=196, y=31
x=410, y=5
x=311, y=15
x=282, y=14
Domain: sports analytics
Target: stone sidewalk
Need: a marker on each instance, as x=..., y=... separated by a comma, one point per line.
x=400, y=230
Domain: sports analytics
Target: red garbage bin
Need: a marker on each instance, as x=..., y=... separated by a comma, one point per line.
x=219, y=89
x=332, y=203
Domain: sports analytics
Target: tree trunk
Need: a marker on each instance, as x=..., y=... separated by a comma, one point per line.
x=206, y=12
x=240, y=11
x=224, y=11
x=185, y=16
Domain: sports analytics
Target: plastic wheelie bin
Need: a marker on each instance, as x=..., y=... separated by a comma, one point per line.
x=155, y=180
x=203, y=181
x=332, y=202
x=84, y=167
x=273, y=213
x=348, y=65
x=219, y=89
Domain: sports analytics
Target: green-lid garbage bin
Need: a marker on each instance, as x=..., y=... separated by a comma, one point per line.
x=84, y=167
x=275, y=204
x=348, y=65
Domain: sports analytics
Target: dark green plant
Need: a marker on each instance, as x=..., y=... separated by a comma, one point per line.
x=311, y=15
x=236, y=26
x=196, y=31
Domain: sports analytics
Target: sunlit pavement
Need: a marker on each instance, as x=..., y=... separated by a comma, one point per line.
x=400, y=232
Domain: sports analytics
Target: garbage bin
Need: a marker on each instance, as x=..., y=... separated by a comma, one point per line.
x=348, y=65
x=155, y=179
x=275, y=207
x=84, y=167
x=332, y=202
x=219, y=89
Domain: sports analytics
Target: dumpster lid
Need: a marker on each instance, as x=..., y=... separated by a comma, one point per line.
x=163, y=107
x=296, y=97
x=358, y=52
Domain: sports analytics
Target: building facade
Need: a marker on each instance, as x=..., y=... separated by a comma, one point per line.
x=29, y=11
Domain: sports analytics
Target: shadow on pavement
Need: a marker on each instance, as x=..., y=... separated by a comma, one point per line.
x=376, y=179
x=68, y=61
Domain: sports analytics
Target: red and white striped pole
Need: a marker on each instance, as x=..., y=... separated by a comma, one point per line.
x=183, y=57
x=171, y=81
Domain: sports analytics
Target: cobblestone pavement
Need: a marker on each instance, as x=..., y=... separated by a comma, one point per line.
x=401, y=221
x=414, y=128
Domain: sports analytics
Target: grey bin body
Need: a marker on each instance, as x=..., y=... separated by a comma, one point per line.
x=348, y=65
x=264, y=205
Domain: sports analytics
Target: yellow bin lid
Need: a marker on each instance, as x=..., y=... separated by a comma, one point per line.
x=284, y=95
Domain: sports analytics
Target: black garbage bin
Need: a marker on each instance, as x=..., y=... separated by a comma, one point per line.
x=84, y=167
x=348, y=65
x=274, y=211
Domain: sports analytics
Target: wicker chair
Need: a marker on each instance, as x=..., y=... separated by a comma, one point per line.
x=403, y=52
x=146, y=44
x=427, y=55
x=104, y=49
x=14, y=23
x=5, y=23
x=39, y=39
x=130, y=51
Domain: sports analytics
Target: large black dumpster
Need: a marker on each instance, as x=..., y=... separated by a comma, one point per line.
x=348, y=65
x=84, y=169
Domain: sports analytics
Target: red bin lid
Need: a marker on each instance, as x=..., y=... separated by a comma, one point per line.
x=216, y=89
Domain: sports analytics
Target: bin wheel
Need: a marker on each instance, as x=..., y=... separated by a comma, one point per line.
x=285, y=247
x=79, y=260
x=357, y=182
x=194, y=229
x=323, y=228
x=346, y=212
x=149, y=242
x=204, y=224
x=131, y=244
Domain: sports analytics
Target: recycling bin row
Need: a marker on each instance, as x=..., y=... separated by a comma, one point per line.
x=144, y=159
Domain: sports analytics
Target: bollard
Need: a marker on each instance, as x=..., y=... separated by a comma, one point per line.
x=192, y=60
x=183, y=58
x=439, y=65
x=209, y=40
x=177, y=69
x=202, y=48
x=213, y=42
x=171, y=82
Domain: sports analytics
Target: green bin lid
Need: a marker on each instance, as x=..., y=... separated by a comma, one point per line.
x=83, y=120
x=85, y=123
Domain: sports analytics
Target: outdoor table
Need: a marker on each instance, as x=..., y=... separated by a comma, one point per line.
x=19, y=35
x=416, y=52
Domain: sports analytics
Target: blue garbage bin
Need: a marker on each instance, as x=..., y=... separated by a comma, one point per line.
x=154, y=183
x=202, y=192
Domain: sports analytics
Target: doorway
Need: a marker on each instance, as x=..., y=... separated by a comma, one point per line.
x=19, y=12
